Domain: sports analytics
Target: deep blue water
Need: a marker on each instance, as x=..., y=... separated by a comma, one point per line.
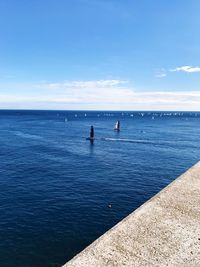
x=56, y=187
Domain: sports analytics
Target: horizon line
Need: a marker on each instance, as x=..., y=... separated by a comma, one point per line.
x=93, y=110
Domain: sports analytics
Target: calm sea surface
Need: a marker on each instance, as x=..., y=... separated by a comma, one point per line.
x=55, y=187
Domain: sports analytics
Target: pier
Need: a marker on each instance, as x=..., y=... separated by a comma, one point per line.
x=164, y=231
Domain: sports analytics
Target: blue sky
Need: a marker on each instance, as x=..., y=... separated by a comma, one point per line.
x=100, y=54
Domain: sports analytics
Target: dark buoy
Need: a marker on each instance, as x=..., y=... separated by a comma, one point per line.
x=91, y=138
x=117, y=126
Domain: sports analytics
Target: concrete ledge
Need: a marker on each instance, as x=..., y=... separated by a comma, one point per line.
x=165, y=231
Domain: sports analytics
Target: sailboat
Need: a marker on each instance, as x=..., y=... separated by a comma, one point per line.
x=91, y=138
x=117, y=126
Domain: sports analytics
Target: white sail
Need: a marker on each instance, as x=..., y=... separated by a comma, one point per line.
x=117, y=126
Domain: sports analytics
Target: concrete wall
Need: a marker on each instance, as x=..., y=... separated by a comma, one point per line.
x=165, y=231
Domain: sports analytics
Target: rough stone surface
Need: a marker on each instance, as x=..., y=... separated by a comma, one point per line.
x=165, y=231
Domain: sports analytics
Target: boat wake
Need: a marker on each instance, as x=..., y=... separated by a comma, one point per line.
x=137, y=141
x=26, y=135
x=126, y=140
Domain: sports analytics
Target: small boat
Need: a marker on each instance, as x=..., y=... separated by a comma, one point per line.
x=117, y=126
x=91, y=138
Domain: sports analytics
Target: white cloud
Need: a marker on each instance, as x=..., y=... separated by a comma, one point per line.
x=86, y=84
x=189, y=69
x=97, y=95
x=90, y=91
x=160, y=75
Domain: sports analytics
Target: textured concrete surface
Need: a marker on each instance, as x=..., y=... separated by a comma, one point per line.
x=165, y=231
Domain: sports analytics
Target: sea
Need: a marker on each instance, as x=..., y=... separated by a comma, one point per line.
x=59, y=192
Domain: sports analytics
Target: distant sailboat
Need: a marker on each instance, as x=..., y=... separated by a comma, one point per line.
x=91, y=138
x=117, y=126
